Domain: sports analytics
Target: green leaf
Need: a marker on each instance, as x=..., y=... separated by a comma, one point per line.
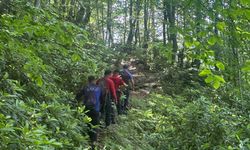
x=216, y=84
x=75, y=57
x=210, y=53
x=219, y=78
x=245, y=2
x=188, y=44
x=246, y=67
x=220, y=65
x=39, y=81
x=209, y=79
x=221, y=26
x=212, y=40
x=205, y=72
x=196, y=43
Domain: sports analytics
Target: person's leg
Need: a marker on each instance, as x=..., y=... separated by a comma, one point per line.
x=126, y=102
x=119, y=106
x=95, y=121
x=108, y=112
x=91, y=132
x=113, y=113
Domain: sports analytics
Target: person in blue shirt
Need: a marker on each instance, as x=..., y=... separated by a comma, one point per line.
x=128, y=79
x=92, y=101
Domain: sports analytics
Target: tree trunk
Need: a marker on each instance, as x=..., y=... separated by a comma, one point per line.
x=131, y=24
x=102, y=16
x=125, y=22
x=4, y=6
x=181, y=53
x=87, y=14
x=109, y=23
x=197, y=30
x=80, y=15
x=173, y=36
x=153, y=21
x=71, y=15
x=97, y=19
x=37, y=3
x=164, y=22
x=137, y=31
x=146, y=35
x=63, y=8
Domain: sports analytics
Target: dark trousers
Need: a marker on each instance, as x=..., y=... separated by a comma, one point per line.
x=94, y=115
x=109, y=112
x=126, y=101
x=119, y=103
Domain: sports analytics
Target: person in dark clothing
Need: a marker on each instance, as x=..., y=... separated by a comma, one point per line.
x=92, y=99
x=127, y=77
x=109, y=97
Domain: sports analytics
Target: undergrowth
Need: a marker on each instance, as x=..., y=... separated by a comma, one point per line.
x=162, y=122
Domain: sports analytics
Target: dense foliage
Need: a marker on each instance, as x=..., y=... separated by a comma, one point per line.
x=161, y=122
x=44, y=61
x=198, y=51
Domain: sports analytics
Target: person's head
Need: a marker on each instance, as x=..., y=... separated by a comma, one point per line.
x=91, y=79
x=125, y=66
x=107, y=73
x=116, y=71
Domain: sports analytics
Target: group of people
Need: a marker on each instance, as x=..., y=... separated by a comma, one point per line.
x=102, y=97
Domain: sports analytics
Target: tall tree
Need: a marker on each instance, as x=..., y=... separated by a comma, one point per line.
x=146, y=32
x=153, y=28
x=37, y=3
x=164, y=21
x=125, y=21
x=109, y=23
x=131, y=23
x=172, y=28
x=137, y=31
x=71, y=15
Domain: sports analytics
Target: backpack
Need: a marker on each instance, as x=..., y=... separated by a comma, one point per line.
x=90, y=97
x=103, y=85
x=125, y=76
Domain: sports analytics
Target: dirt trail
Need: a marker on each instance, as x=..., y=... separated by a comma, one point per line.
x=145, y=81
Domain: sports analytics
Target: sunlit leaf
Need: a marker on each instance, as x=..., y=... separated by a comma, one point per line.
x=205, y=72
x=220, y=65
x=220, y=78
x=188, y=44
x=216, y=84
x=212, y=40
x=209, y=79
x=39, y=81
x=221, y=26
x=75, y=57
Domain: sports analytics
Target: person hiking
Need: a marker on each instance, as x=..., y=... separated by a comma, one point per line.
x=119, y=83
x=91, y=99
x=127, y=77
x=109, y=97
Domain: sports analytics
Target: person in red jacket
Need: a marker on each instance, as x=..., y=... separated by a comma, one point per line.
x=109, y=98
x=118, y=84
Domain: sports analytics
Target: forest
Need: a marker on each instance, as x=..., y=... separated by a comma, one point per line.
x=190, y=60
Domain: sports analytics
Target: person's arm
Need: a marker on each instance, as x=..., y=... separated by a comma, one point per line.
x=80, y=94
x=131, y=79
x=132, y=83
x=112, y=89
x=122, y=83
x=102, y=101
